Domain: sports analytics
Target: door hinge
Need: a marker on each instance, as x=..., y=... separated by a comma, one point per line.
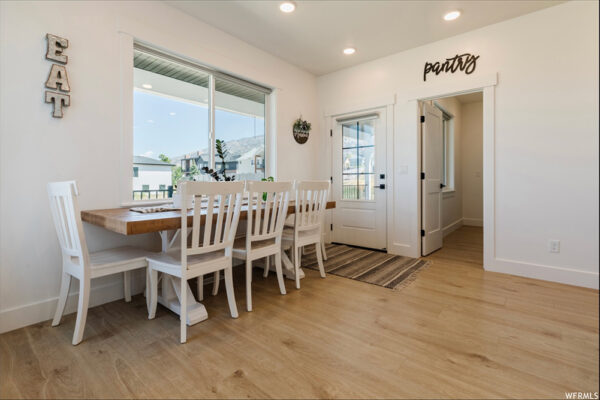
x=331, y=227
x=422, y=118
x=331, y=179
x=331, y=132
x=422, y=232
x=422, y=175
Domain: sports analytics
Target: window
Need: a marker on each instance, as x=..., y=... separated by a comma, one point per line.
x=448, y=151
x=146, y=187
x=358, y=160
x=175, y=105
x=135, y=172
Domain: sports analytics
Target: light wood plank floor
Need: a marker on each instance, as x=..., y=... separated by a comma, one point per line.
x=456, y=331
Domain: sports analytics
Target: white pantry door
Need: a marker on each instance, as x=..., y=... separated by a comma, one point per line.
x=431, y=178
x=359, y=180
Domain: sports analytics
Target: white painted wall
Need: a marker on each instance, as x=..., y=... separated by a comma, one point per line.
x=546, y=135
x=85, y=144
x=472, y=163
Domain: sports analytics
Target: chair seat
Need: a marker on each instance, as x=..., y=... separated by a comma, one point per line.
x=288, y=233
x=260, y=248
x=240, y=244
x=118, y=259
x=172, y=259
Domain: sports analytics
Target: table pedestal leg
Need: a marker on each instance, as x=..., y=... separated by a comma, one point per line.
x=170, y=293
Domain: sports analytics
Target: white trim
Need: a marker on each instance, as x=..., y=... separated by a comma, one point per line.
x=24, y=315
x=451, y=227
x=489, y=174
x=562, y=275
x=427, y=91
x=126, y=81
x=453, y=89
x=472, y=221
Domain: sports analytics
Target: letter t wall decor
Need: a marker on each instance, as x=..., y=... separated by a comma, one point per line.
x=57, y=79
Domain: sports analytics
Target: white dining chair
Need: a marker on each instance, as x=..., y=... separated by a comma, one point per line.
x=310, y=204
x=264, y=226
x=208, y=250
x=78, y=262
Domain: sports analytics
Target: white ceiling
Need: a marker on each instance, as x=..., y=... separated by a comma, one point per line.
x=313, y=36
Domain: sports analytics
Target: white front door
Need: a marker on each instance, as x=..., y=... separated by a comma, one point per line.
x=431, y=178
x=359, y=178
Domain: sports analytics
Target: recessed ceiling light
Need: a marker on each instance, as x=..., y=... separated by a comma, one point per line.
x=452, y=15
x=147, y=86
x=287, y=6
x=171, y=113
x=349, y=50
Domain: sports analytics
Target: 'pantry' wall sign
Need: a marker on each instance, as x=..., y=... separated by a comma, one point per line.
x=461, y=62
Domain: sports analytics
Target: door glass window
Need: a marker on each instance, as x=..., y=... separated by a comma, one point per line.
x=358, y=160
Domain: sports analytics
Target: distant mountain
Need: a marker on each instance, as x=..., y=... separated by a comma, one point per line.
x=235, y=147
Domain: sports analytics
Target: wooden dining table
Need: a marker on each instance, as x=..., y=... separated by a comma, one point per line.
x=167, y=224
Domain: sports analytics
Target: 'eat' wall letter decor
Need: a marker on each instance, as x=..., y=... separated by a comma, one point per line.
x=57, y=79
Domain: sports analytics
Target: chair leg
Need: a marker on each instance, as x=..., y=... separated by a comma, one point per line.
x=217, y=278
x=248, y=285
x=320, y=259
x=62, y=298
x=127, y=286
x=323, y=253
x=183, y=311
x=230, y=293
x=82, y=309
x=297, y=267
x=200, y=287
x=152, y=292
x=267, y=266
x=147, y=290
x=279, y=271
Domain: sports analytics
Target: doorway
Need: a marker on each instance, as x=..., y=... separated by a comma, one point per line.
x=451, y=167
x=359, y=179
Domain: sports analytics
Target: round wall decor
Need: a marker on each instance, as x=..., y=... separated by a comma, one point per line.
x=301, y=130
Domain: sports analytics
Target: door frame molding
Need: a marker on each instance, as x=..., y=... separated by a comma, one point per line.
x=387, y=103
x=485, y=84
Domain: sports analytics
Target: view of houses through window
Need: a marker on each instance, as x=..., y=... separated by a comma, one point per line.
x=171, y=133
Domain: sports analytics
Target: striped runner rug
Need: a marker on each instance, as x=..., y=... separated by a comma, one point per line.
x=370, y=266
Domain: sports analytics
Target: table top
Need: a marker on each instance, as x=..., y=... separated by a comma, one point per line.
x=127, y=222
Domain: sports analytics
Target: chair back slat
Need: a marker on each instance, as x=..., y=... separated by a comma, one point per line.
x=223, y=197
x=273, y=210
x=311, y=201
x=65, y=213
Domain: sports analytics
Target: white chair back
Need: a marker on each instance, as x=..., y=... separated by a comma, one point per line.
x=221, y=198
x=311, y=201
x=266, y=216
x=67, y=220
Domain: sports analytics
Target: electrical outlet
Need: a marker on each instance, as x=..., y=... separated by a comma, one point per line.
x=554, y=246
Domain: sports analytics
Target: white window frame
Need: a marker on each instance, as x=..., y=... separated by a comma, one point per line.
x=126, y=51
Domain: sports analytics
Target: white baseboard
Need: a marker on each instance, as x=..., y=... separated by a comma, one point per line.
x=18, y=317
x=545, y=272
x=448, y=229
x=472, y=221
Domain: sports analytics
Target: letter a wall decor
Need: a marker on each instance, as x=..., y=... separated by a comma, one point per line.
x=57, y=78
